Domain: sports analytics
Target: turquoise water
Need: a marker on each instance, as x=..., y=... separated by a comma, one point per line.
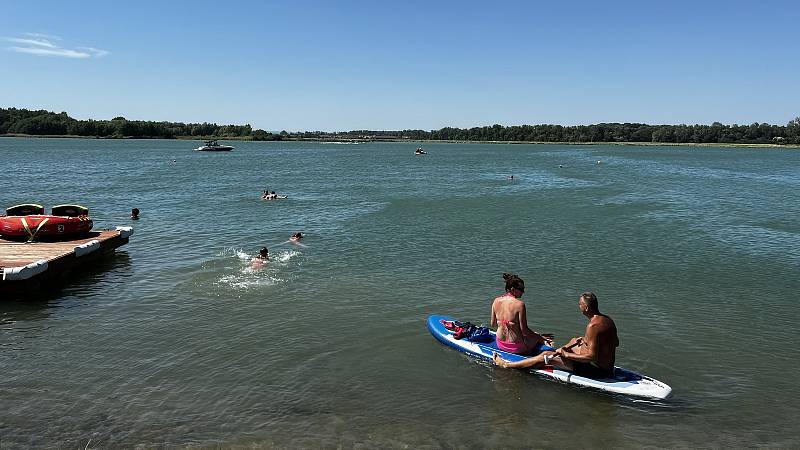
x=177, y=341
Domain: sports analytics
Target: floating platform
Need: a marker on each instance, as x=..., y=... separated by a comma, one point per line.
x=28, y=266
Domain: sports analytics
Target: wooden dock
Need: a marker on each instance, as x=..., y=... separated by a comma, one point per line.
x=27, y=267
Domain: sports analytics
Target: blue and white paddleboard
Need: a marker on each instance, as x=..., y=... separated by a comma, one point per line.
x=624, y=381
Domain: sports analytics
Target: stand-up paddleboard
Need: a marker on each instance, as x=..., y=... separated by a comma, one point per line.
x=624, y=382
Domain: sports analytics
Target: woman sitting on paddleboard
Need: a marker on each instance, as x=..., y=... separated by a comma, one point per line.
x=508, y=315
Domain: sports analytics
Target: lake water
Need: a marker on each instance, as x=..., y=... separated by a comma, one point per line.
x=176, y=340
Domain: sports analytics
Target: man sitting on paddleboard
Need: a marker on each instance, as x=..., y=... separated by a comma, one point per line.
x=591, y=355
x=510, y=318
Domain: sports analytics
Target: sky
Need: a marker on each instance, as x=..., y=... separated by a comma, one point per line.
x=388, y=65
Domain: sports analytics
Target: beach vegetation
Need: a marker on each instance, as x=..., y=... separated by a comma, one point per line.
x=46, y=123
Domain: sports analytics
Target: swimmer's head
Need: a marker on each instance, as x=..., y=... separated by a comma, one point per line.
x=264, y=253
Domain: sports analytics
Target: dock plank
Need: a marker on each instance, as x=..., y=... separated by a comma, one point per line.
x=15, y=254
x=62, y=262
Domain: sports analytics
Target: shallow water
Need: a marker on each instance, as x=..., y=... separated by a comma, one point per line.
x=177, y=340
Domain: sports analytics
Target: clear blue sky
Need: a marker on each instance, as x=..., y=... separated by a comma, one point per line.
x=326, y=65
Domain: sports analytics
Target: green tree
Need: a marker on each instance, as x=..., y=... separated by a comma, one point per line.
x=793, y=130
x=261, y=135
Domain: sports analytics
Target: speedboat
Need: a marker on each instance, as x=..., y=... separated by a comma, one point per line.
x=214, y=146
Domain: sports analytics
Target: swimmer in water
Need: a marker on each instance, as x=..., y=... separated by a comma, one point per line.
x=263, y=257
x=296, y=237
x=135, y=214
x=270, y=195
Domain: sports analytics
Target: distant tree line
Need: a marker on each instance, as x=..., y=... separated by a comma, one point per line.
x=23, y=121
x=756, y=133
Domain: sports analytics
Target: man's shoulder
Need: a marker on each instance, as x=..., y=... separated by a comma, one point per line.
x=601, y=322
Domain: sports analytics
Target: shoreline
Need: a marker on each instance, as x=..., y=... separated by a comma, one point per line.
x=636, y=144
x=360, y=141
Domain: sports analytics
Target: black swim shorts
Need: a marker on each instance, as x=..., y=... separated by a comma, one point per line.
x=589, y=370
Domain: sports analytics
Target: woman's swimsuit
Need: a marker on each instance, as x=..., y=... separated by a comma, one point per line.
x=506, y=346
x=511, y=347
x=519, y=347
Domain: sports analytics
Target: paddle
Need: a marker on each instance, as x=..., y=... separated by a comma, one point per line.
x=547, y=359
